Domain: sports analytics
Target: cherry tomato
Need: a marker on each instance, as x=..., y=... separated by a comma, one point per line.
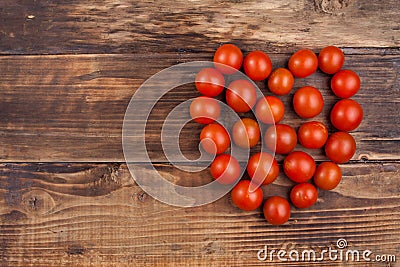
x=299, y=166
x=346, y=115
x=225, y=169
x=228, y=54
x=312, y=134
x=246, y=133
x=308, y=102
x=270, y=110
x=330, y=59
x=281, y=81
x=328, y=175
x=209, y=82
x=276, y=210
x=244, y=199
x=262, y=168
x=303, y=63
x=257, y=65
x=280, y=138
x=303, y=195
x=214, y=139
x=340, y=147
x=241, y=95
x=345, y=83
x=204, y=110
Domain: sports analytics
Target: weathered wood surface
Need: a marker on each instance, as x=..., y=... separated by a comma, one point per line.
x=42, y=27
x=93, y=214
x=45, y=97
x=68, y=70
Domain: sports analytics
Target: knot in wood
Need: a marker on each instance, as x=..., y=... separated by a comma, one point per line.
x=37, y=202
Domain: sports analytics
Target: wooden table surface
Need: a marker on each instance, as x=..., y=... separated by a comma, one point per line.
x=68, y=71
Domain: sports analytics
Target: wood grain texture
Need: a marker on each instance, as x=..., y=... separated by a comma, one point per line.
x=44, y=97
x=37, y=27
x=94, y=214
x=68, y=70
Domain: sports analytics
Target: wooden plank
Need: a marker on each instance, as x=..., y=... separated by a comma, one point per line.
x=70, y=107
x=40, y=27
x=94, y=214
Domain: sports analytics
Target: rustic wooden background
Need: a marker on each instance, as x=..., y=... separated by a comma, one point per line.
x=67, y=73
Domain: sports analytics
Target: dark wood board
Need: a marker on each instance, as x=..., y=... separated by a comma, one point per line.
x=43, y=97
x=82, y=214
x=73, y=26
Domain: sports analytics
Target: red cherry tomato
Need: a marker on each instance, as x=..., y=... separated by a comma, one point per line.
x=330, y=59
x=276, y=210
x=299, y=166
x=228, y=54
x=214, y=139
x=246, y=133
x=257, y=65
x=303, y=195
x=241, y=95
x=328, y=175
x=340, y=147
x=303, y=63
x=280, y=138
x=204, y=110
x=346, y=115
x=244, y=199
x=262, y=168
x=281, y=81
x=209, y=82
x=270, y=110
x=345, y=83
x=308, y=102
x=312, y=134
x=225, y=169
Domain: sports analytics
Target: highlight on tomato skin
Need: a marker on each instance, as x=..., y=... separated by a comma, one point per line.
x=299, y=166
x=241, y=95
x=244, y=198
x=276, y=210
x=214, y=139
x=303, y=195
x=246, y=133
x=308, y=102
x=330, y=59
x=209, y=82
x=257, y=65
x=327, y=176
x=340, y=147
x=281, y=81
x=230, y=55
x=346, y=115
x=312, y=134
x=303, y=63
x=225, y=169
x=205, y=110
x=345, y=83
x=270, y=110
x=262, y=168
x=280, y=138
